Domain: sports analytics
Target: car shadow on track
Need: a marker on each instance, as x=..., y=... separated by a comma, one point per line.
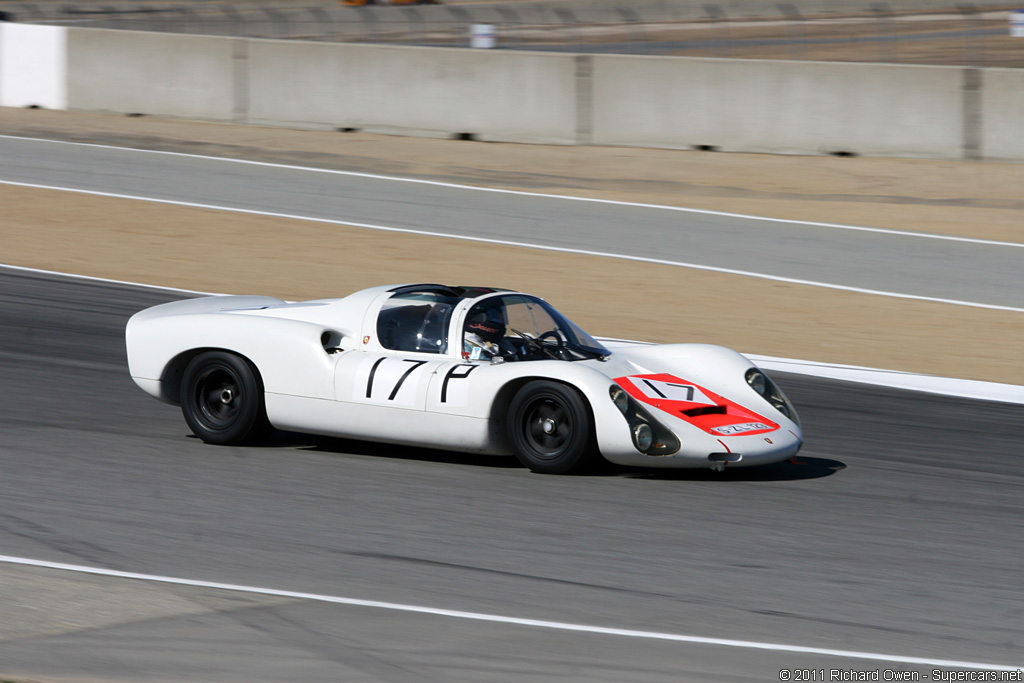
x=794, y=469
x=327, y=444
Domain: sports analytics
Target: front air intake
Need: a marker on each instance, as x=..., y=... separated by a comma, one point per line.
x=704, y=410
x=718, y=461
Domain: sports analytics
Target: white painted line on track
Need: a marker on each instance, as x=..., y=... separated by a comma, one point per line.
x=930, y=384
x=896, y=379
x=515, y=621
x=478, y=188
x=525, y=245
x=75, y=276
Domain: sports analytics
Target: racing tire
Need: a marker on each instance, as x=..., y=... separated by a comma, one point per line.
x=222, y=399
x=550, y=428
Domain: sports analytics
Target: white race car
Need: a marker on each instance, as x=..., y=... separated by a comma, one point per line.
x=473, y=369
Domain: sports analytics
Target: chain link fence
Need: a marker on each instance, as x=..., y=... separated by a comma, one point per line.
x=871, y=31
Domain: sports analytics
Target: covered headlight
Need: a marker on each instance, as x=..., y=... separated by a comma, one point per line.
x=620, y=398
x=644, y=436
x=758, y=381
x=767, y=390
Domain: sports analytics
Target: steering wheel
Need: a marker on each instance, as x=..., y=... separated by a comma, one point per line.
x=535, y=343
x=559, y=342
x=560, y=351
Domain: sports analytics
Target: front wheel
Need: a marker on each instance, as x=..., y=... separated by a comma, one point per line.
x=550, y=428
x=222, y=399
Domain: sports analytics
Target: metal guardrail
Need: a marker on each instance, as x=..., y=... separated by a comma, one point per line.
x=876, y=31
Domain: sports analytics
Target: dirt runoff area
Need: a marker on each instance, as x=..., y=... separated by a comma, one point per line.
x=218, y=251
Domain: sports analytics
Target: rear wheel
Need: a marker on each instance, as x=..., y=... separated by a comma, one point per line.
x=551, y=429
x=222, y=399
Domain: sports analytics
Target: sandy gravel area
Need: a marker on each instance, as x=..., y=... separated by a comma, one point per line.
x=225, y=252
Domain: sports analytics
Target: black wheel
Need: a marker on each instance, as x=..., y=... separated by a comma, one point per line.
x=222, y=399
x=551, y=429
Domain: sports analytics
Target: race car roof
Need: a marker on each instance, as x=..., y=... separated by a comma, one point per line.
x=454, y=291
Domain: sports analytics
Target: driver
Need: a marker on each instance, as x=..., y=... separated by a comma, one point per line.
x=485, y=338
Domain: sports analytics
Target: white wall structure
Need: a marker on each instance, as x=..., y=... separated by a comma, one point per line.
x=793, y=107
x=33, y=66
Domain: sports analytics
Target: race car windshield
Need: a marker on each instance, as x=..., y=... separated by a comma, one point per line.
x=517, y=327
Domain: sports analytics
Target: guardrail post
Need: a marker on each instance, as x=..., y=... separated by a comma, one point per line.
x=972, y=113
x=240, y=76
x=584, y=99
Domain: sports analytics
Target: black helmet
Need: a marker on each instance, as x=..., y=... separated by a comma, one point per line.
x=488, y=330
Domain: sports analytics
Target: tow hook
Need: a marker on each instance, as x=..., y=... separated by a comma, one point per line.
x=720, y=460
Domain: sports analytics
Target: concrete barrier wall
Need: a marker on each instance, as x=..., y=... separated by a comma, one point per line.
x=671, y=102
x=521, y=96
x=778, y=106
x=151, y=73
x=1002, y=115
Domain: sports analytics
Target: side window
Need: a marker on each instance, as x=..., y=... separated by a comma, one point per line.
x=415, y=321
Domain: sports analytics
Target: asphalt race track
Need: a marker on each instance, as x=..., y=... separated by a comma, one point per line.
x=908, y=264
x=898, y=533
